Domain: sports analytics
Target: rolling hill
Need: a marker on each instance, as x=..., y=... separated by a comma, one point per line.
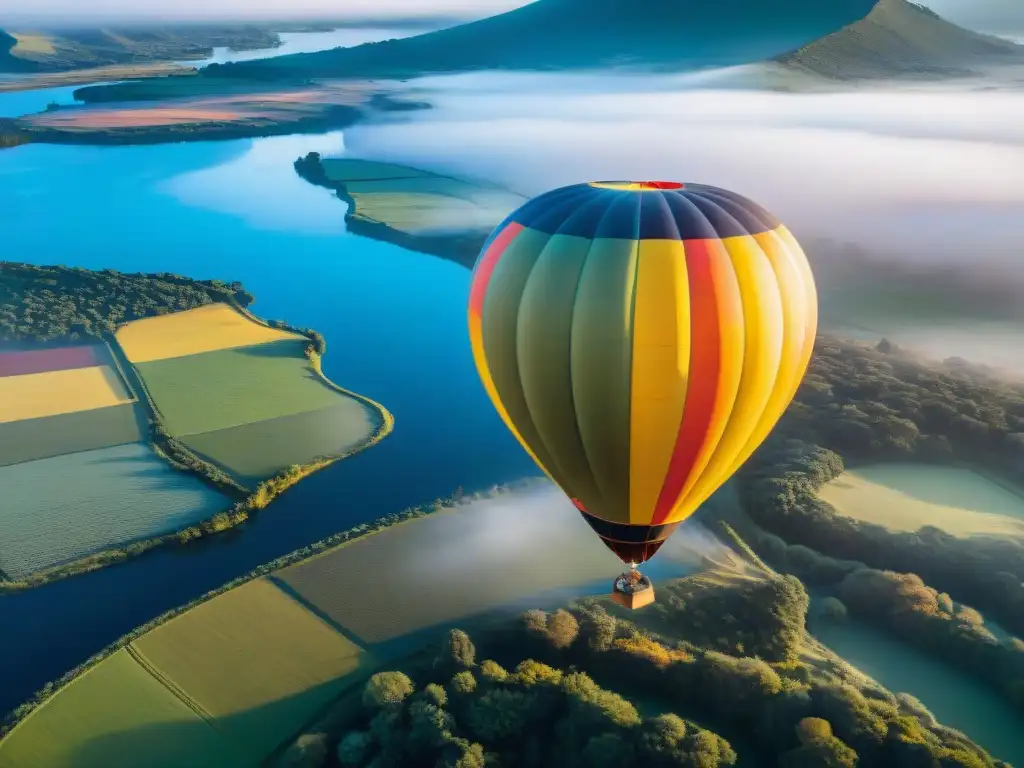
x=899, y=39
x=568, y=34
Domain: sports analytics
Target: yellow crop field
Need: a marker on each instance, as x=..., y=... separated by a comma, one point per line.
x=30, y=43
x=204, y=329
x=55, y=392
x=116, y=715
x=255, y=660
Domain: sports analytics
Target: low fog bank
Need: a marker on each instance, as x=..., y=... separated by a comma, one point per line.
x=924, y=180
x=539, y=529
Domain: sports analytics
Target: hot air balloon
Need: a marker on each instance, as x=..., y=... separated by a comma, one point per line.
x=640, y=340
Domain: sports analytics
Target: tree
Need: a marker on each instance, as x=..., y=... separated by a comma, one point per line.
x=387, y=690
x=562, y=629
x=458, y=652
x=661, y=736
x=500, y=714
x=354, y=748
x=819, y=748
x=492, y=671
x=462, y=683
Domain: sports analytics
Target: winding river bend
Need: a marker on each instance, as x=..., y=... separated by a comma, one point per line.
x=394, y=322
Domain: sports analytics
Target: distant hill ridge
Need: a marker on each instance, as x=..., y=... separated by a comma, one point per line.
x=899, y=38
x=567, y=34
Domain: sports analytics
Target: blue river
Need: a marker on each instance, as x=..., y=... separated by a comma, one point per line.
x=395, y=324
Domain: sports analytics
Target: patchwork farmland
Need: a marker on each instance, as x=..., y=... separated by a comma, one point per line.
x=67, y=413
x=223, y=684
x=243, y=395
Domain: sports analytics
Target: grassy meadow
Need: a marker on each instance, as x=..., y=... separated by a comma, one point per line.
x=48, y=436
x=204, y=329
x=113, y=716
x=219, y=390
x=103, y=499
x=418, y=202
x=451, y=565
x=252, y=452
x=254, y=660
x=36, y=395
x=907, y=497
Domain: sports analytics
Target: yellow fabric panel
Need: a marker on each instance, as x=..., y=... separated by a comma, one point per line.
x=476, y=340
x=799, y=322
x=55, y=392
x=762, y=350
x=731, y=339
x=661, y=357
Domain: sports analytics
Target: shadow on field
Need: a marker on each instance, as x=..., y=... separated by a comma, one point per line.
x=283, y=348
x=243, y=738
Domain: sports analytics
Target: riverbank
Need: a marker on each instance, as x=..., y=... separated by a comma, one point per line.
x=30, y=82
x=323, y=546
x=246, y=111
x=178, y=455
x=414, y=209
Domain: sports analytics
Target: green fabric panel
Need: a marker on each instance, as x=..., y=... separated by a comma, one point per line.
x=544, y=338
x=500, y=322
x=602, y=363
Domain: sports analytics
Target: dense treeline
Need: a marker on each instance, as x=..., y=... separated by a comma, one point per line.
x=926, y=618
x=860, y=404
x=558, y=689
x=67, y=303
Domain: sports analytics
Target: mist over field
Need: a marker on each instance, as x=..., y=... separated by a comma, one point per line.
x=924, y=181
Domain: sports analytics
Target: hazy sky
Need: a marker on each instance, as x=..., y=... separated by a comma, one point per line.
x=254, y=9
x=985, y=12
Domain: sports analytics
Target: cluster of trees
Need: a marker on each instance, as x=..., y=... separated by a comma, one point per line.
x=534, y=715
x=556, y=690
x=922, y=616
x=880, y=403
x=779, y=491
x=63, y=303
x=860, y=404
x=10, y=134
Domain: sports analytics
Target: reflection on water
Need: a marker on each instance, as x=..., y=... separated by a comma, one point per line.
x=395, y=324
x=262, y=188
x=956, y=699
x=306, y=42
x=18, y=103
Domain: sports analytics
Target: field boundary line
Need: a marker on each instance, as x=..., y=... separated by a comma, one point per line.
x=291, y=593
x=167, y=683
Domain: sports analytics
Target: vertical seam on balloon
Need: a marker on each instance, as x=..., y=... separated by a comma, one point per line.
x=747, y=450
x=586, y=453
x=629, y=347
x=648, y=518
x=732, y=464
x=691, y=481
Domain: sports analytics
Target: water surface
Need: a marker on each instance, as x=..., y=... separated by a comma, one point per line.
x=395, y=328
x=955, y=698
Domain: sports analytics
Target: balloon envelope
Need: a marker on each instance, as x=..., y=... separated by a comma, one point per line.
x=640, y=340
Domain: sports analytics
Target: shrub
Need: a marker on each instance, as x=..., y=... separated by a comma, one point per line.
x=387, y=690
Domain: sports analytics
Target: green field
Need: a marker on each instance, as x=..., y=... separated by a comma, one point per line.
x=49, y=436
x=218, y=390
x=116, y=716
x=452, y=565
x=254, y=452
x=907, y=497
x=60, y=509
x=255, y=660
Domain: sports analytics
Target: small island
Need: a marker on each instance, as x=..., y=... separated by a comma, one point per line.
x=414, y=209
x=129, y=387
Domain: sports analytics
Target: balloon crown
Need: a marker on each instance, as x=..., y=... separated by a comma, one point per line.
x=637, y=186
